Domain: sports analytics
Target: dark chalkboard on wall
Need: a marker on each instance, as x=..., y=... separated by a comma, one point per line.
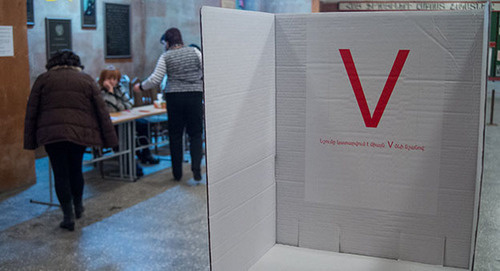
x=117, y=30
x=30, y=12
x=57, y=35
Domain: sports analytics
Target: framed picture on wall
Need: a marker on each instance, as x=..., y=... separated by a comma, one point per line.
x=228, y=4
x=117, y=31
x=30, y=12
x=57, y=35
x=88, y=13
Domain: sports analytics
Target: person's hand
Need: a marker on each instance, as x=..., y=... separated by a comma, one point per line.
x=108, y=85
x=137, y=88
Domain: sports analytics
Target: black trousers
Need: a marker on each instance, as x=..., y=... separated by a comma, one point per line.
x=66, y=159
x=185, y=111
x=141, y=127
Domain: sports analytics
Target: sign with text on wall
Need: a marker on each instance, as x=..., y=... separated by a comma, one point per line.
x=374, y=114
x=57, y=35
x=408, y=6
x=6, y=41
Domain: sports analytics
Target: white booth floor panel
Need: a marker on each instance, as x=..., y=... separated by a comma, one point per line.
x=281, y=258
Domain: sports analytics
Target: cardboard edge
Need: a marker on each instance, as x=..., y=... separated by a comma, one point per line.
x=202, y=11
x=482, y=135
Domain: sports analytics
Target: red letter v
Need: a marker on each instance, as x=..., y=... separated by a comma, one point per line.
x=372, y=121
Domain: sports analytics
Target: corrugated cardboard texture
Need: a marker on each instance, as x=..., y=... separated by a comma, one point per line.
x=444, y=74
x=439, y=89
x=239, y=71
x=290, y=258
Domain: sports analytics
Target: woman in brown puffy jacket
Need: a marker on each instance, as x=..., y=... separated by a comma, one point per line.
x=65, y=113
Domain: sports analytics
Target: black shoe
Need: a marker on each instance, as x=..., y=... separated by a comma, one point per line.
x=138, y=170
x=197, y=176
x=69, y=217
x=78, y=207
x=67, y=224
x=150, y=160
x=79, y=211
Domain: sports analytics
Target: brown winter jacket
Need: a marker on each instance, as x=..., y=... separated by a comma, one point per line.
x=65, y=104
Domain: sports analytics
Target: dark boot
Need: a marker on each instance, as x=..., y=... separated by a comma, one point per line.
x=69, y=217
x=139, y=155
x=138, y=170
x=197, y=176
x=78, y=208
x=147, y=158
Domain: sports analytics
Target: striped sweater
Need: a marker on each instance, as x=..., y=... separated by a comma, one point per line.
x=183, y=69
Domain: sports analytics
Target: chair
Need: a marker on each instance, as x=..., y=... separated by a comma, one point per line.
x=145, y=97
x=125, y=83
x=158, y=128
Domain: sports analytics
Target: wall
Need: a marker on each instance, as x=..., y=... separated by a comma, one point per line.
x=149, y=20
x=289, y=6
x=17, y=166
x=161, y=15
x=336, y=1
x=88, y=43
x=256, y=5
x=279, y=6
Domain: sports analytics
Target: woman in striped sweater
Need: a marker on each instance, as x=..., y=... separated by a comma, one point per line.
x=184, y=95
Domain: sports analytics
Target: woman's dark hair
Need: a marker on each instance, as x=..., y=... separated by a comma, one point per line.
x=173, y=37
x=64, y=58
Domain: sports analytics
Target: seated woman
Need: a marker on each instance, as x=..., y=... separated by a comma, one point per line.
x=117, y=101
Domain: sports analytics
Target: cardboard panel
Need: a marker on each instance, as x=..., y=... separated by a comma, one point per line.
x=237, y=223
x=417, y=248
x=318, y=235
x=457, y=253
x=299, y=259
x=290, y=124
x=287, y=218
x=407, y=206
x=416, y=202
x=249, y=249
x=229, y=193
x=383, y=244
x=350, y=124
x=291, y=68
x=239, y=74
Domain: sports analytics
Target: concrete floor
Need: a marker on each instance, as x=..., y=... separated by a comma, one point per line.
x=152, y=224
x=488, y=238
x=158, y=224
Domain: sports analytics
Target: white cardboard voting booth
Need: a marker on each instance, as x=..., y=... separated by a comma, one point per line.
x=358, y=133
